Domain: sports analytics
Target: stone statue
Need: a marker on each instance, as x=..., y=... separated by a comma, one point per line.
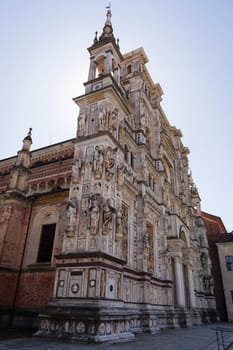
x=113, y=120
x=98, y=161
x=82, y=123
x=119, y=224
x=71, y=211
x=204, y=259
x=94, y=215
x=148, y=251
x=109, y=163
x=107, y=217
x=76, y=169
x=102, y=118
x=143, y=114
x=120, y=176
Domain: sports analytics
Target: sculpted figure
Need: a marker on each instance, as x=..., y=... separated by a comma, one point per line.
x=109, y=163
x=71, y=211
x=204, y=259
x=119, y=226
x=102, y=118
x=94, y=215
x=82, y=123
x=113, y=120
x=120, y=176
x=107, y=217
x=77, y=165
x=98, y=161
x=143, y=114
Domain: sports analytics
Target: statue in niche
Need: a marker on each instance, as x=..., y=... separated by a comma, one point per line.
x=94, y=215
x=204, y=260
x=102, y=118
x=71, y=211
x=148, y=253
x=71, y=216
x=76, y=169
x=108, y=212
x=82, y=123
x=145, y=172
x=109, y=163
x=119, y=226
x=113, y=120
x=207, y=281
x=98, y=161
x=143, y=114
x=120, y=176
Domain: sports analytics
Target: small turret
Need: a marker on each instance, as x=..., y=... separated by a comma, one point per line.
x=20, y=171
x=27, y=141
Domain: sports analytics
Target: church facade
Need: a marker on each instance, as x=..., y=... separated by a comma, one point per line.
x=101, y=235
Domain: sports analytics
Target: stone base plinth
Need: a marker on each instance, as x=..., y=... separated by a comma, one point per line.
x=109, y=321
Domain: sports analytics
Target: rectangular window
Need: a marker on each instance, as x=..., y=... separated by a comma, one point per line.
x=229, y=262
x=232, y=296
x=46, y=243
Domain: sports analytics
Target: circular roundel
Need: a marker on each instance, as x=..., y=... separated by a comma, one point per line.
x=80, y=327
x=75, y=288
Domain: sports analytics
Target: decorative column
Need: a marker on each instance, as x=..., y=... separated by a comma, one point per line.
x=192, y=298
x=117, y=75
x=92, y=69
x=108, y=62
x=179, y=280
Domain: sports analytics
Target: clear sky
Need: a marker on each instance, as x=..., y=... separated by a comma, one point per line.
x=44, y=62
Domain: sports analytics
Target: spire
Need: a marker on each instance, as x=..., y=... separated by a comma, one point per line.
x=107, y=29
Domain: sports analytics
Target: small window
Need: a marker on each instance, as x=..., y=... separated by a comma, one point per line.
x=46, y=243
x=232, y=296
x=229, y=262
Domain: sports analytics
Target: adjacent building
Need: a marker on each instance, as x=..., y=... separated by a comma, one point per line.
x=225, y=253
x=98, y=236
x=215, y=231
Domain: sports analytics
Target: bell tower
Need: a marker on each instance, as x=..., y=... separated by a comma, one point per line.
x=105, y=57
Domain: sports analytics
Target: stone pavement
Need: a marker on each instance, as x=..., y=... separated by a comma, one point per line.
x=194, y=338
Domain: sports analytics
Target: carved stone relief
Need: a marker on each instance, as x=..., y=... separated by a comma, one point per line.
x=94, y=214
x=120, y=176
x=76, y=168
x=98, y=161
x=109, y=163
x=82, y=122
x=108, y=214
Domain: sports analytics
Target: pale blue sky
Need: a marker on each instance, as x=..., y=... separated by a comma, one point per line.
x=44, y=61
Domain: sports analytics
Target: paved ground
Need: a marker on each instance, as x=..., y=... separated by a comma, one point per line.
x=195, y=338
